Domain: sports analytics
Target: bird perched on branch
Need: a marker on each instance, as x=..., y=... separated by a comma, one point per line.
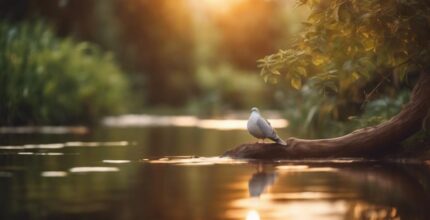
x=261, y=128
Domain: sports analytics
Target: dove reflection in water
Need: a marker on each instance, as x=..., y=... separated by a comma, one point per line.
x=259, y=182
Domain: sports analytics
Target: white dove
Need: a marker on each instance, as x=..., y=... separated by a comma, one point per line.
x=261, y=128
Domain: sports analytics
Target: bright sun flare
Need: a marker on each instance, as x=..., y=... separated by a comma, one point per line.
x=219, y=5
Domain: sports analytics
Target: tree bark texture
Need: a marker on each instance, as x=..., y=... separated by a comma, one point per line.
x=360, y=143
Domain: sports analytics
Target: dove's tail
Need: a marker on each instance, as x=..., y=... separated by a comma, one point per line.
x=278, y=140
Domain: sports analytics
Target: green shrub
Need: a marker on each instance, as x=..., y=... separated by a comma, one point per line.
x=48, y=80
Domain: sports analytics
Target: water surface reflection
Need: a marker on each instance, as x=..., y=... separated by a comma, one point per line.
x=119, y=174
x=330, y=191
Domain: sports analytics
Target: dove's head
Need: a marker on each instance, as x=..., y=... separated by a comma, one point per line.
x=254, y=109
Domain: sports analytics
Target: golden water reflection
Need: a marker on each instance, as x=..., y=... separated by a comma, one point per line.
x=302, y=192
x=252, y=215
x=118, y=178
x=194, y=161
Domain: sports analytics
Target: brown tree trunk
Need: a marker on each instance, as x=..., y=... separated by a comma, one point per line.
x=362, y=142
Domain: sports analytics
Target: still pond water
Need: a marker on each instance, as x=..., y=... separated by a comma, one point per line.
x=172, y=172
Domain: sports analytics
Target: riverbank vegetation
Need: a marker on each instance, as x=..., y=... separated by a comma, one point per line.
x=45, y=79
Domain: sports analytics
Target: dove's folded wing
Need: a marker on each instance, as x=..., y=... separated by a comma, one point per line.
x=266, y=128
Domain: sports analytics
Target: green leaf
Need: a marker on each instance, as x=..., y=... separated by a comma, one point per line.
x=296, y=82
x=302, y=71
x=317, y=60
x=336, y=12
x=276, y=72
x=355, y=75
x=332, y=86
x=266, y=78
x=401, y=72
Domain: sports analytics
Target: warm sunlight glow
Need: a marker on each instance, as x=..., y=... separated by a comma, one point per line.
x=53, y=174
x=184, y=121
x=217, y=5
x=252, y=215
x=194, y=161
x=304, y=168
x=93, y=169
x=290, y=208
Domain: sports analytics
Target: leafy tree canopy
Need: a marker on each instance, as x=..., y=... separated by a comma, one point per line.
x=345, y=41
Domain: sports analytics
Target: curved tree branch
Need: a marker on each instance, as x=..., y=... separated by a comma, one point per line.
x=363, y=142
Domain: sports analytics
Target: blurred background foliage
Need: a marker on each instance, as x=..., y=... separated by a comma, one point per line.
x=46, y=79
x=193, y=56
x=199, y=57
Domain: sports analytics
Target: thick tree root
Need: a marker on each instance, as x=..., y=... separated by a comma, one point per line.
x=366, y=142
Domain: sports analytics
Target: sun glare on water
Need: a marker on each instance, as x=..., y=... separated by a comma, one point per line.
x=252, y=215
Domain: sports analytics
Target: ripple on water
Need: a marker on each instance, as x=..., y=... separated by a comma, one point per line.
x=67, y=144
x=4, y=174
x=53, y=174
x=194, y=161
x=304, y=168
x=97, y=144
x=44, y=130
x=93, y=169
x=116, y=161
x=42, y=154
x=33, y=146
